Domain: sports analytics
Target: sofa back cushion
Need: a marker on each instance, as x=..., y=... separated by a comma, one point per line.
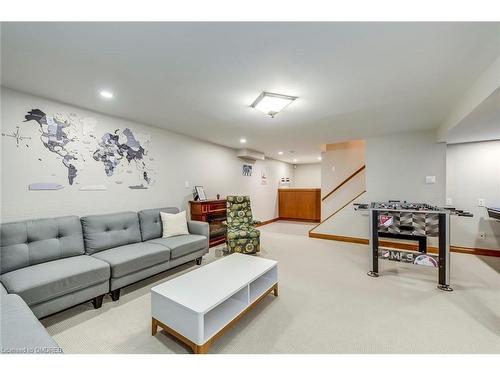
x=151, y=226
x=31, y=242
x=102, y=232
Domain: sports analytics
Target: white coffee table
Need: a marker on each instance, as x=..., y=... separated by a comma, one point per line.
x=199, y=306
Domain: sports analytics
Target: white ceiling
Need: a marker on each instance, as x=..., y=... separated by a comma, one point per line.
x=353, y=80
x=482, y=124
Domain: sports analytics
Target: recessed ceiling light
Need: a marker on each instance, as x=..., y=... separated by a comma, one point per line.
x=107, y=94
x=295, y=160
x=319, y=158
x=280, y=152
x=243, y=140
x=271, y=104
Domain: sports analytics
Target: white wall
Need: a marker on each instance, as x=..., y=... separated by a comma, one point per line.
x=397, y=164
x=473, y=172
x=176, y=159
x=307, y=176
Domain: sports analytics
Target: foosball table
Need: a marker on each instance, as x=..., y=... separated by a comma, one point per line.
x=411, y=221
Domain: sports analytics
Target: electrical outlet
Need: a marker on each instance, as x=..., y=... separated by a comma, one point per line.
x=482, y=235
x=449, y=201
x=481, y=202
x=430, y=179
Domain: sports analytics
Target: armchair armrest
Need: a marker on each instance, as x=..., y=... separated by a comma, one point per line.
x=198, y=227
x=256, y=222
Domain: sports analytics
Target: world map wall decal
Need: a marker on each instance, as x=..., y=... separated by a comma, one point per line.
x=73, y=142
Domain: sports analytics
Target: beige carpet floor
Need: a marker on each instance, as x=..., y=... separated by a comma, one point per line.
x=327, y=304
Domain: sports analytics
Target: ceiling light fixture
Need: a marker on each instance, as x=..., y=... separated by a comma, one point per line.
x=319, y=158
x=295, y=160
x=280, y=152
x=271, y=104
x=243, y=140
x=107, y=94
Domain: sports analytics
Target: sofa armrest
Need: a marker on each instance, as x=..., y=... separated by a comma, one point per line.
x=198, y=227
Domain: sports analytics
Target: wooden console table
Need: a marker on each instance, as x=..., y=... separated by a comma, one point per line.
x=300, y=204
x=213, y=212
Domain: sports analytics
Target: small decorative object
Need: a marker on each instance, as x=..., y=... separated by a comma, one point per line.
x=247, y=170
x=219, y=251
x=44, y=186
x=285, y=181
x=263, y=178
x=16, y=135
x=218, y=196
x=93, y=188
x=199, y=193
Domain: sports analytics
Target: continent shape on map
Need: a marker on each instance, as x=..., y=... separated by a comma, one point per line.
x=56, y=137
x=111, y=151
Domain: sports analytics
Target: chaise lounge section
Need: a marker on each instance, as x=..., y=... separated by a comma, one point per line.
x=44, y=262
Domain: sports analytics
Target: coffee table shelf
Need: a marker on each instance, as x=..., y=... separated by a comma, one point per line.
x=219, y=317
x=260, y=285
x=199, y=306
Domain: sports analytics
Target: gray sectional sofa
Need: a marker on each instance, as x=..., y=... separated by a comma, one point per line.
x=54, y=264
x=20, y=330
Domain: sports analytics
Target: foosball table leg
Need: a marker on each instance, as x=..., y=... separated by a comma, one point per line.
x=373, y=244
x=444, y=253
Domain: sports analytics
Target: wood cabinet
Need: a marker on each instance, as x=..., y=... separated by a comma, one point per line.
x=212, y=212
x=300, y=204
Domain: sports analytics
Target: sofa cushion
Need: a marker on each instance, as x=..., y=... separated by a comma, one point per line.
x=102, y=232
x=21, y=331
x=182, y=245
x=31, y=242
x=151, y=226
x=46, y=281
x=131, y=258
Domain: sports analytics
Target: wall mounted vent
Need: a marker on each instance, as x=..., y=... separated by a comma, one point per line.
x=250, y=154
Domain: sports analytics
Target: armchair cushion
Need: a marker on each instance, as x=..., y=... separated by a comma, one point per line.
x=234, y=234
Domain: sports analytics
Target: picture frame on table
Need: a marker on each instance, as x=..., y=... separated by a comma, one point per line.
x=199, y=193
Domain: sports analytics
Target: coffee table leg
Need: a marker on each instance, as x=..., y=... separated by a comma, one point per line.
x=154, y=326
x=275, y=290
x=201, y=349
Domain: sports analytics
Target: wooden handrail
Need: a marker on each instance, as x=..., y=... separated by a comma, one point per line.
x=343, y=182
x=338, y=210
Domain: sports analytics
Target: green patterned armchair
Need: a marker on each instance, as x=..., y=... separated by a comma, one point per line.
x=242, y=237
